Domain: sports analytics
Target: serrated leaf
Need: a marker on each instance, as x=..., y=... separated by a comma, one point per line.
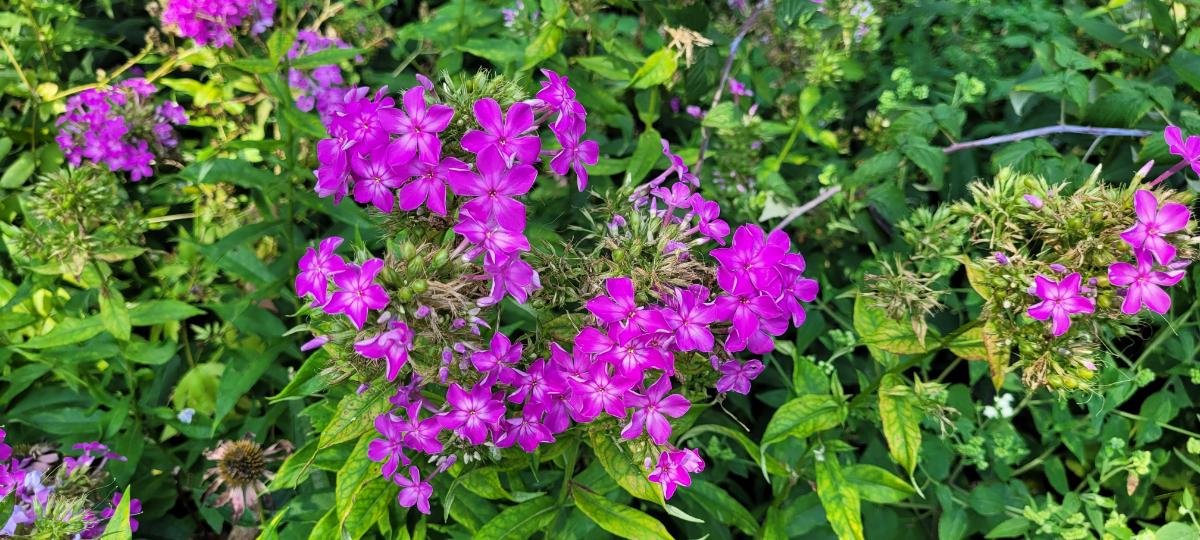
x=280, y=43
x=930, y=160
x=804, y=416
x=901, y=415
x=624, y=469
x=619, y=520
x=839, y=498
x=519, y=522
x=658, y=69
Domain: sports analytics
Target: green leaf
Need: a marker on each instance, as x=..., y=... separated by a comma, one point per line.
x=325, y=57
x=355, y=415
x=502, y=52
x=294, y=470
x=485, y=482
x=804, y=416
x=875, y=329
x=113, y=313
x=307, y=381
x=1010, y=528
x=161, y=311
x=877, y=485
x=520, y=521
x=1187, y=66
x=658, y=69
x=626, y=470
x=901, y=414
x=18, y=172
x=544, y=45
x=254, y=65
x=619, y=520
x=723, y=116
x=1177, y=531
x=607, y=67
x=968, y=344
x=363, y=496
x=721, y=505
x=768, y=463
x=67, y=332
x=998, y=353
x=242, y=370
x=280, y=43
x=118, y=525
x=649, y=149
x=931, y=160
x=839, y=498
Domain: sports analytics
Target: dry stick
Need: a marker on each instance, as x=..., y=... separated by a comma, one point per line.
x=999, y=139
x=733, y=47
x=1048, y=130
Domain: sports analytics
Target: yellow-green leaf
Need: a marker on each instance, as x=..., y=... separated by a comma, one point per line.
x=968, y=344
x=877, y=485
x=875, y=329
x=617, y=519
x=355, y=415
x=901, y=414
x=804, y=416
x=625, y=469
x=997, y=353
x=118, y=525
x=658, y=69
x=520, y=521
x=839, y=498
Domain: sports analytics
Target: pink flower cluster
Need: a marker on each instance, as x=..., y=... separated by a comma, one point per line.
x=321, y=87
x=119, y=127
x=214, y=22
x=356, y=291
x=1154, y=265
x=29, y=481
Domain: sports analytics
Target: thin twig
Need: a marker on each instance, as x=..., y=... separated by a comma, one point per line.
x=733, y=47
x=16, y=65
x=1048, y=130
x=808, y=206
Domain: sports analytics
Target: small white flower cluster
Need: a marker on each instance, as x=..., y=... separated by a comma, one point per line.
x=1002, y=409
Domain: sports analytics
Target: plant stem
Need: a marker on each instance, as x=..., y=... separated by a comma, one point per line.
x=820, y=198
x=1163, y=425
x=1167, y=174
x=1043, y=131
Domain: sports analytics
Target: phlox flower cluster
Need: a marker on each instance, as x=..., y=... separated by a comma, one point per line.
x=322, y=87
x=119, y=127
x=216, y=22
x=33, y=480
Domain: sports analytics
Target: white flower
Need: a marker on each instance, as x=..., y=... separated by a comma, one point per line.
x=185, y=415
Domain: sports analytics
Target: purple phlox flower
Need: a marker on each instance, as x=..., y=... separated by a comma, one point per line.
x=419, y=125
x=796, y=287
x=674, y=468
x=694, y=111
x=736, y=88
x=368, y=121
x=510, y=134
x=745, y=306
x=421, y=435
x=413, y=491
x=620, y=306
x=427, y=184
x=1058, y=268
x=526, y=431
x=472, y=414
x=690, y=316
x=393, y=345
x=558, y=95
x=635, y=350
x=736, y=376
x=1153, y=223
x=378, y=174
x=135, y=508
x=1001, y=258
x=652, y=409
x=389, y=449
x=480, y=229
x=499, y=359
x=600, y=392
x=357, y=292
x=510, y=275
x=708, y=215
x=1144, y=284
x=575, y=154
x=5, y=450
x=678, y=196
x=494, y=188
x=1189, y=150
x=333, y=171
x=211, y=23
x=1059, y=301
x=424, y=82
x=678, y=166
x=574, y=366
x=753, y=255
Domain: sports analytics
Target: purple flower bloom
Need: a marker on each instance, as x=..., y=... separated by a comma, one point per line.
x=314, y=343
x=575, y=153
x=429, y=174
x=1001, y=258
x=526, y=431
x=796, y=287
x=509, y=135
x=135, y=508
x=419, y=125
x=1034, y=201
x=413, y=492
x=209, y=22
x=709, y=222
x=494, y=187
x=472, y=414
x=497, y=361
x=1189, y=150
x=393, y=345
x=689, y=316
x=674, y=468
x=510, y=275
x=358, y=292
x=599, y=392
x=377, y=175
x=1144, y=284
x=1154, y=223
x=619, y=306
x=736, y=376
x=480, y=229
x=652, y=409
x=1059, y=301
x=753, y=255
x=558, y=95
x=738, y=89
x=119, y=128
x=746, y=308
x=316, y=267
x=389, y=449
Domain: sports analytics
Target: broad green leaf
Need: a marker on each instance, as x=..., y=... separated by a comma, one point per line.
x=876, y=484
x=723, y=116
x=161, y=311
x=242, y=370
x=658, y=69
x=998, y=353
x=502, y=52
x=977, y=277
x=520, y=521
x=649, y=149
x=804, y=416
x=18, y=172
x=617, y=519
x=280, y=43
x=1177, y=531
x=931, y=160
x=771, y=464
x=67, y=331
x=485, y=482
x=118, y=527
x=721, y=505
x=197, y=389
x=363, y=495
x=327, y=527
x=295, y=469
x=901, y=415
x=605, y=66
x=114, y=314
x=355, y=415
x=875, y=329
x=968, y=344
x=839, y=498
x=625, y=469
x=544, y=45
x=308, y=380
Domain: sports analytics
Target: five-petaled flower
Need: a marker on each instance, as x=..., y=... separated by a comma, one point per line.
x=358, y=292
x=1153, y=223
x=1060, y=299
x=413, y=491
x=1144, y=284
x=652, y=409
x=508, y=133
x=316, y=267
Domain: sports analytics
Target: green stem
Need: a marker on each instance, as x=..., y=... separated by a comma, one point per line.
x=1163, y=425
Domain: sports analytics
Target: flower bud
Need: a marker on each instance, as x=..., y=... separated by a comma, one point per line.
x=1143, y=172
